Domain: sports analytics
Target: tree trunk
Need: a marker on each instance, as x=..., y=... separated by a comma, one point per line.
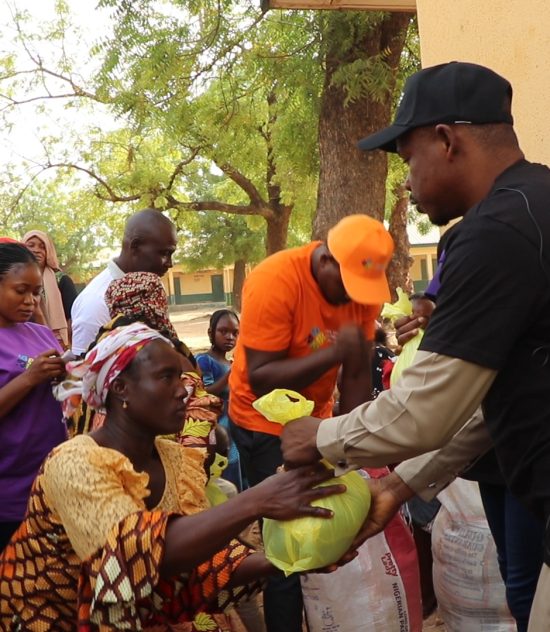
x=352, y=181
x=277, y=229
x=398, y=270
x=239, y=274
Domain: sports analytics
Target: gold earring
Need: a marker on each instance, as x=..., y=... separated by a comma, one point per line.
x=125, y=404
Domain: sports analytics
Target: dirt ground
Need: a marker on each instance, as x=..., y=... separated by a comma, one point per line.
x=192, y=327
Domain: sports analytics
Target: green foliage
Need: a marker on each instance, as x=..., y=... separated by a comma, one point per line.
x=209, y=103
x=217, y=240
x=344, y=35
x=75, y=220
x=397, y=170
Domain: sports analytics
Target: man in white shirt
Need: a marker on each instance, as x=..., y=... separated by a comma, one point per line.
x=148, y=244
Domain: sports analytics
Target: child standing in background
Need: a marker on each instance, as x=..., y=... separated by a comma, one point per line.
x=223, y=331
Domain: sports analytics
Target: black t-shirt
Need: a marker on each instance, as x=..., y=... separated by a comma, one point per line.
x=493, y=309
x=68, y=292
x=485, y=469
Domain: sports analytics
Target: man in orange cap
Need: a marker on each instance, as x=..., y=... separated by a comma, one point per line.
x=306, y=312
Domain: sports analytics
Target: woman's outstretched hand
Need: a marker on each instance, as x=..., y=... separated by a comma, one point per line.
x=288, y=495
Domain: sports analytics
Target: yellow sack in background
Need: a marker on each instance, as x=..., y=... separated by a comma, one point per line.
x=401, y=307
x=308, y=543
x=282, y=405
x=406, y=357
x=393, y=311
x=214, y=494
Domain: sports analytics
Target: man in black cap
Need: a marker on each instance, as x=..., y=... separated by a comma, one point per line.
x=488, y=341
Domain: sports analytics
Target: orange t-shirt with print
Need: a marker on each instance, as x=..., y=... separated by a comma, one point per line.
x=284, y=309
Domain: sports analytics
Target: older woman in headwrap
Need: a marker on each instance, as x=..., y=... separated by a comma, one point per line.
x=59, y=291
x=140, y=296
x=117, y=533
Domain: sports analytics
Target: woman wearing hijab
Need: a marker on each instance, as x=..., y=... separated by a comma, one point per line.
x=59, y=290
x=118, y=534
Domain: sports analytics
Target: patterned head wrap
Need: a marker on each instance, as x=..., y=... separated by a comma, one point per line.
x=102, y=364
x=140, y=294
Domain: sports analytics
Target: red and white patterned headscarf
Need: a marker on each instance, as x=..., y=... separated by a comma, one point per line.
x=140, y=294
x=102, y=364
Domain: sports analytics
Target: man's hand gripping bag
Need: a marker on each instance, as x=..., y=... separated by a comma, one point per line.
x=308, y=543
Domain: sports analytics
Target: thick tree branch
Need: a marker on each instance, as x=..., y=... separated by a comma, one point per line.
x=220, y=207
x=244, y=183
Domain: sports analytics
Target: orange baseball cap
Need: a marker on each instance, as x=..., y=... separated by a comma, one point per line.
x=363, y=248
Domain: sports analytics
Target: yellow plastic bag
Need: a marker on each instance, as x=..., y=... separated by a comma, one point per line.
x=406, y=357
x=304, y=544
x=214, y=494
x=393, y=311
x=282, y=405
x=401, y=307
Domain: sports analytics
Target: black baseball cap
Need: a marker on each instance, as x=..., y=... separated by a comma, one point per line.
x=456, y=92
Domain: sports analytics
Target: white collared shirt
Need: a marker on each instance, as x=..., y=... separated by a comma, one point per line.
x=90, y=311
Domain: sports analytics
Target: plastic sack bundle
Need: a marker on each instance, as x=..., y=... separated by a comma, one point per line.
x=468, y=585
x=305, y=544
x=393, y=311
x=282, y=405
x=213, y=492
x=308, y=543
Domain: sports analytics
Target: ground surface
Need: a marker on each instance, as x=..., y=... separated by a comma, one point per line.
x=192, y=327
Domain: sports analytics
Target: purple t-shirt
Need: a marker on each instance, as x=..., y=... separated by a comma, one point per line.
x=33, y=427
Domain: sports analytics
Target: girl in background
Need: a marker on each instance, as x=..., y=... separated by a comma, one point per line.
x=223, y=331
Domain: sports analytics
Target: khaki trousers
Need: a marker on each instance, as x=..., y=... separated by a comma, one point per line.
x=539, y=621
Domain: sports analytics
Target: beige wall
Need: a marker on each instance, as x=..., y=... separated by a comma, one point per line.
x=428, y=253
x=195, y=283
x=510, y=36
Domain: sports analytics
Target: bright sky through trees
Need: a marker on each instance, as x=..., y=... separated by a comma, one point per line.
x=23, y=126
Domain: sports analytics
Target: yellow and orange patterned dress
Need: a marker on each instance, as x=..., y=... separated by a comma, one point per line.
x=87, y=555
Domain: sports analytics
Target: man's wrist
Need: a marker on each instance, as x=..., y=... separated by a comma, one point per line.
x=395, y=485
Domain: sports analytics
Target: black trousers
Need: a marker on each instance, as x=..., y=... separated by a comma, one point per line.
x=261, y=455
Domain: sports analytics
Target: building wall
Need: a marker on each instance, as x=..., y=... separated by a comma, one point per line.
x=510, y=36
x=203, y=286
x=423, y=266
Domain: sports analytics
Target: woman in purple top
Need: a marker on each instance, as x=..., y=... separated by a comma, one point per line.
x=30, y=418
